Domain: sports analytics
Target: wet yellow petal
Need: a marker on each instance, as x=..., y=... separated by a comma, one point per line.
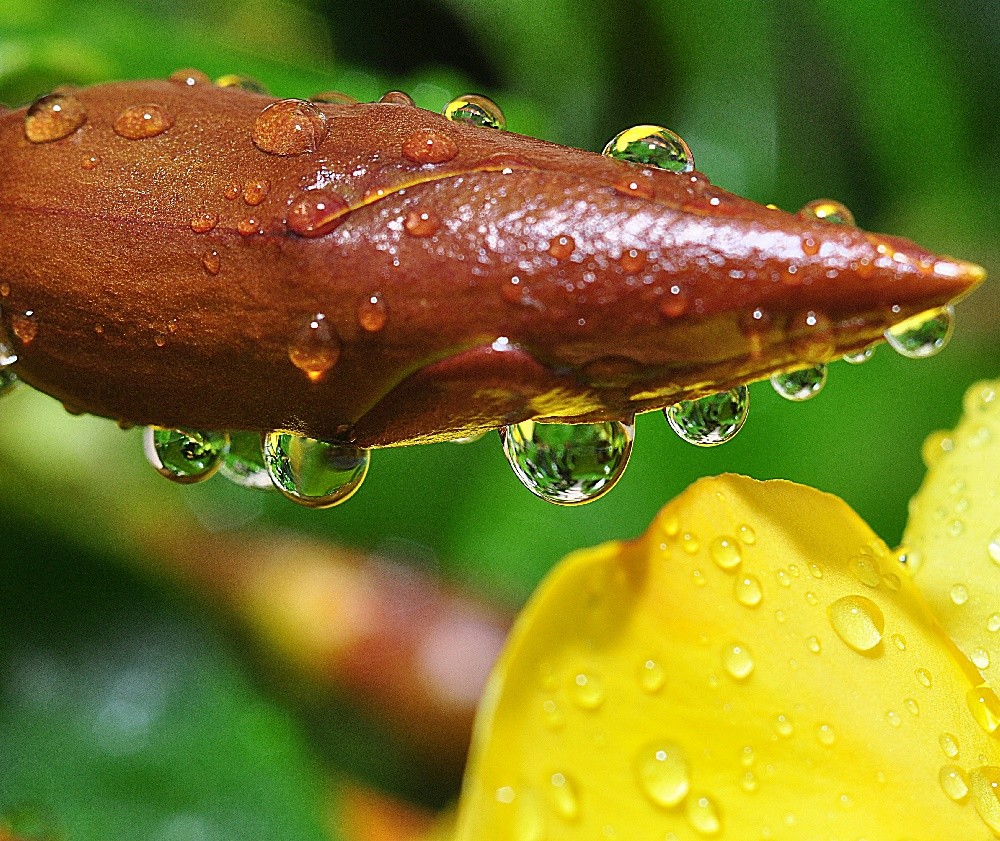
x=751, y=668
x=952, y=539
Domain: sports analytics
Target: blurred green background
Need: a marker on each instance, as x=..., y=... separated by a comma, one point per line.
x=128, y=707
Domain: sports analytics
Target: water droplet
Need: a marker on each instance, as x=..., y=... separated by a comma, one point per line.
x=959, y=594
x=783, y=724
x=429, y=146
x=985, y=707
x=552, y=715
x=860, y=357
x=476, y=110
x=240, y=82
x=893, y=718
x=633, y=260
x=8, y=379
x=90, y=162
x=748, y=591
x=652, y=676
x=204, y=222
x=703, y=815
x=211, y=262
x=25, y=326
x=315, y=347
x=316, y=212
x=866, y=569
x=397, y=98
x=689, y=543
x=924, y=677
x=53, y=117
x=674, y=303
x=749, y=781
x=185, y=455
x=912, y=707
x=243, y=464
x=784, y=579
x=984, y=783
x=651, y=146
x=662, y=770
x=189, y=78
x=232, y=191
x=813, y=644
x=140, y=122
x=953, y=782
x=421, y=223
x=290, y=127
x=637, y=186
x=317, y=474
x=562, y=246
x=923, y=335
x=992, y=624
x=858, y=621
x=568, y=463
x=587, y=691
x=726, y=553
x=563, y=796
x=826, y=735
x=949, y=745
x=372, y=313
x=828, y=210
x=738, y=661
x=712, y=420
x=255, y=191
x=748, y=535
x=980, y=658
x=801, y=384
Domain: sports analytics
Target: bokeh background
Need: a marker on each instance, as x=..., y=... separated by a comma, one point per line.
x=211, y=663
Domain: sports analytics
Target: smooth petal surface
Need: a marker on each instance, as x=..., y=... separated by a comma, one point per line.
x=952, y=538
x=751, y=668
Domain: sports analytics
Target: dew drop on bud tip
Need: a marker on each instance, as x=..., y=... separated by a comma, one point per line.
x=923, y=335
x=53, y=117
x=712, y=420
x=185, y=455
x=651, y=146
x=827, y=210
x=313, y=473
x=243, y=464
x=801, y=384
x=568, y=464
x=476, y=110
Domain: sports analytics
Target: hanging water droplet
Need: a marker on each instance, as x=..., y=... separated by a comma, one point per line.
x=924, y=335
x=429, y=146
x=243, y=464
x=140, y=122
x=316, y=212
x=476, y=110
x=240, y=82
x=313, y=473
x=749, y=591
x=860, y=357
x=984, y=783
x=53, y=117
x=712, y=420
x=8, y=379
x=985, y=707
x=738, y=661
x=662, y=770
x=828, y=210
x=568, y=464
x=858, y=621
x=801, y=384
x=703, y=815
x=315, y=348
x=290, y=127
x=651, y=146
x=185, y=455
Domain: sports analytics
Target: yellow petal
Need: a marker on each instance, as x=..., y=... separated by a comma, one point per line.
x=751, y=668
x=952, y=539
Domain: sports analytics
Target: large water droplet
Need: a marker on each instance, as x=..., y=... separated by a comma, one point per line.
x=858, y=621
x=984, y=783
x=568, y=464
x=985, y=707
x=703, y=815
x=738, y=661
x=801, y=384
x=662, y=770
x=712, y=420
x=315, y=348
x=651, y=146
x=317, y=474
x=924, y=335
x=316, y=212
x=429, y=146
x=828, y=210
x=139, y=122
x=53, y=117
x=290, y=127
x=185, y=455
x=476, y=110
x=244, y=464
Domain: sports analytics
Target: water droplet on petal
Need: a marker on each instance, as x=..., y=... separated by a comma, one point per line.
x=211, y=262
x=801, y=384
x=333, y=98
x=633, y=260
x=924, y=335
x=953, y=782
x=313, y=473
x=185, y=455
x=240, y=83
x=828, y=210
x=25, y=326
x=858, y=621
x=984, y=783
x=290, y=127
x=315, y=347
x=397, y=98
x=738, y=661
x=813, y=644
x=140, y=122
x=703, y=815
x=826, y=735
x=712, y=420
x=204, y=222
x=53, y=117
x=652, y=676
x=243, y=464
x=429, y=146
x=674, y=302
x=90, y=162
x=255, y=191
x=992, y=624
x=783, y=724
x=651, y=146
x=372, y=313
x=662, y=770
x=860, y=357
x=587, y=691
x=568, y=464
x=924, y=677
x=561, y=247
x=563, y=796
x=959, y=594
x=421, y=223
x=949, y=745
x=985, y=707
x=316, y=213
x=726, y=553
x=748, y=590
x=189, y=78
x=866, y=569
x=476, y=110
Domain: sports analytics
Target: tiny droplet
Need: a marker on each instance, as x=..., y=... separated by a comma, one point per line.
x=827, y=210
x=372, y=313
